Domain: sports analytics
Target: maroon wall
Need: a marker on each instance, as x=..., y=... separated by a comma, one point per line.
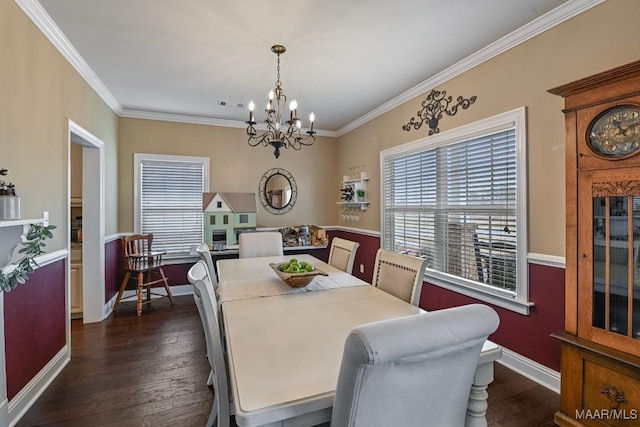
x=365, y=255
x=526, y=335
x=113, y=268
x=34, y=324
x=177, y=273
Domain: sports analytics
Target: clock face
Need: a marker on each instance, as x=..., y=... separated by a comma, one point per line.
x=616, y=132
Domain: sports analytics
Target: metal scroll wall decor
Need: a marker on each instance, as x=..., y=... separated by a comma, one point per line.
x=437, y=103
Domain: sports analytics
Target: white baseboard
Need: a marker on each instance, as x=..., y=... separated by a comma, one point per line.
x=4, y=413
x=21, y=403
x=176, y=291
x=180, y=290
x=531, y=369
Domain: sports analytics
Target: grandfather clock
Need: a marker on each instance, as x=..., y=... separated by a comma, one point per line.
x=600, y=363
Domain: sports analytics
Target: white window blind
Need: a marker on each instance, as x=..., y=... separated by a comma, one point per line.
x=455, y=206
x=456, y=201
x=170, y=201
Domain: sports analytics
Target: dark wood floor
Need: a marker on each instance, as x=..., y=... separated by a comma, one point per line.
x=152, y=371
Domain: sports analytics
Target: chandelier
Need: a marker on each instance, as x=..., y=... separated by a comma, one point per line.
x=279, y=133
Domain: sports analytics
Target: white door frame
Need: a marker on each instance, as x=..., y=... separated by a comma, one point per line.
x=93, y=220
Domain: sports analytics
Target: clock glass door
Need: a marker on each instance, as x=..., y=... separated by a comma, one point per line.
x=616, y=271
x=609, y=258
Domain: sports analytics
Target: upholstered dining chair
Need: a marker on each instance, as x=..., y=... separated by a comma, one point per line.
x=342, y=254
x=205, y=300
x=205, y=255
x=400, y=275
x=412, y=371
x=259, y=244
x=145, y=266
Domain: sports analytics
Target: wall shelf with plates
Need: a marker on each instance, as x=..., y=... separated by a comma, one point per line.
x=354, y=192
x=354, y=196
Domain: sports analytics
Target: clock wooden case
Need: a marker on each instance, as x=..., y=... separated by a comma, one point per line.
x=600, y=365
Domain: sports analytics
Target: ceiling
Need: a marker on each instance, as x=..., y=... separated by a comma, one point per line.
x=344, y=59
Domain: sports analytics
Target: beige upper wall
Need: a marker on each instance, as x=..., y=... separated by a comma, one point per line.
x=234, y=167
x=601, y=38
x=40, y=92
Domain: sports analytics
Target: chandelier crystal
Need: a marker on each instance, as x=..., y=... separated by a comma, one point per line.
x=279, y=133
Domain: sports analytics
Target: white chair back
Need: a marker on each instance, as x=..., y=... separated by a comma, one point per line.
x=260, y=244
x=412, y=371
x=399, y=275
x=199, y=272
x=206, y=302
x=343, y=254
x=205, y=255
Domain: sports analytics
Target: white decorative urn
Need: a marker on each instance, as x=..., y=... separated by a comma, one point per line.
x=9, y=207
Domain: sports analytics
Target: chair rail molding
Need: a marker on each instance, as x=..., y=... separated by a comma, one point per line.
x=362, y=231
x=548, y=260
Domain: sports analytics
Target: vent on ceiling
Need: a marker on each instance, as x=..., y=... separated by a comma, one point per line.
x=230, y=104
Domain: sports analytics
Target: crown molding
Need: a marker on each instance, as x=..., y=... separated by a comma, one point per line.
x=198, y=120
x=549, y=20
x=43, y=21
x=45, y=24
x=180, y=118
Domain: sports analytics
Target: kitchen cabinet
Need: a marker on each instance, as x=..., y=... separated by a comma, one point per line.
x=75, y=282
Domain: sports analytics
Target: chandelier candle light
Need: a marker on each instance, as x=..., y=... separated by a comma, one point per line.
x=275, y=135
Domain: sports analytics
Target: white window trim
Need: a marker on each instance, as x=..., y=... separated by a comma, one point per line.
x=514, y=118
x=138, y=158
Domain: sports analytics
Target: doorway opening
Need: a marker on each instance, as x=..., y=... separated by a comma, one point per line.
x=90, y=244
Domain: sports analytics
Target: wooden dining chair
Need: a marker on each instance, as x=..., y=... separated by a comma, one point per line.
x=206, y=303
x=343, y=254
x=400, y=275
x=205, y=255
x=260, y=244
x=412, y=371
x=145, y=266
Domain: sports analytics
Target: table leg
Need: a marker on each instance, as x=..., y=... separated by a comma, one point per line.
x=477, y=406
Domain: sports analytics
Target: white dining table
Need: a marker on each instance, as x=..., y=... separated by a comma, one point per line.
x=285, y=345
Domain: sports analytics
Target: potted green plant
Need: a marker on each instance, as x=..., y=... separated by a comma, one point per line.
x=9, y=201
x=360, y=193
x=31, y=247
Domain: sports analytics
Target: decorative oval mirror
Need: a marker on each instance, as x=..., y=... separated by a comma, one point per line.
x=278, y=191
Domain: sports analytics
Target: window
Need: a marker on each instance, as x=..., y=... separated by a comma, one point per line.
x=225, y=219
x=219, y=205
x=244, y=218
x=458, y=199
x=212, y=220
x=169, y=200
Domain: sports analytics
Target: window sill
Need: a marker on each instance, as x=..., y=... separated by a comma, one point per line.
x=489, y=296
